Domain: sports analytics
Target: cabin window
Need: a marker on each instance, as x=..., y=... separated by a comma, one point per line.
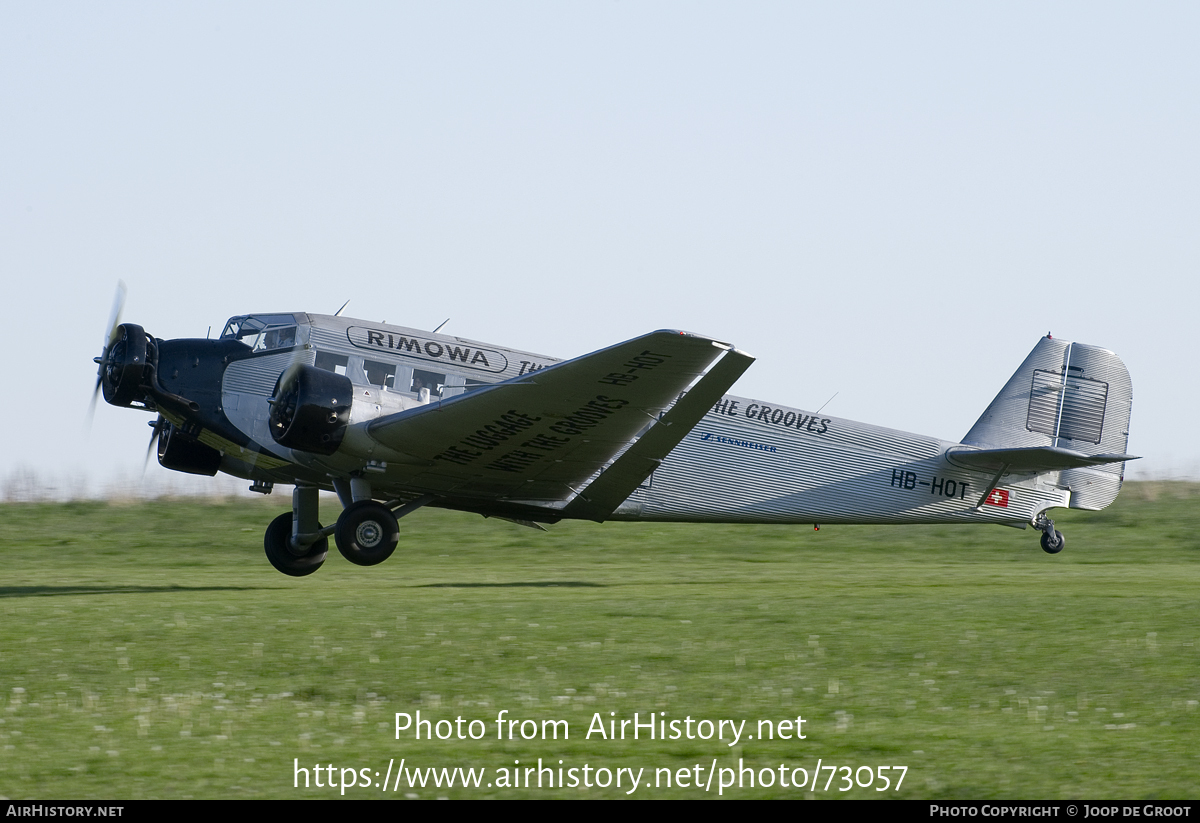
x=335, y=363
x=457, y=384
x=380, y=374
x=428, y=380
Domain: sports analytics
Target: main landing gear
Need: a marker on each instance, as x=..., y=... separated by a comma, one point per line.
x=1052, y=539
x=288, y=558
x=366, y=532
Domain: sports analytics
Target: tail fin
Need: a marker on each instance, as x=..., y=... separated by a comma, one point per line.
x=1065, y=396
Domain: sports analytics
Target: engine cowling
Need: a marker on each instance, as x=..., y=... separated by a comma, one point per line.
x=123, y=369
x=178, y=452
x=310, y=409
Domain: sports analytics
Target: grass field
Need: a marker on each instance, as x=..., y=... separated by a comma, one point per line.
x=149, y=650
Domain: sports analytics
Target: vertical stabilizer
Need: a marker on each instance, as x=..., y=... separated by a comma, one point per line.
x=1067, y=395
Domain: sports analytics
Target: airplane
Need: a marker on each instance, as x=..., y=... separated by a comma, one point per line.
x=392, y=419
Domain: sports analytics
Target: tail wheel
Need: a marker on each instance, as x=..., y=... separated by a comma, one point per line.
x=1053, y=543
x=278, y=543
x=367, y=533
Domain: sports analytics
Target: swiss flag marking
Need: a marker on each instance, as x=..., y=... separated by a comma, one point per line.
x=998, y=497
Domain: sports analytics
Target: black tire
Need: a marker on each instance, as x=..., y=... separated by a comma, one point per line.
x=277, y=543
x=1055, y=545
x=366, y=533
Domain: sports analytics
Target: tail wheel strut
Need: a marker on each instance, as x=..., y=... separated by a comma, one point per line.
x=1052, y=539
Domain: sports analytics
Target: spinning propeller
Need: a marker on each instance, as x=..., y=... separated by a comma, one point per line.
x=123, y=355
x=158, y=426
x=110, y=341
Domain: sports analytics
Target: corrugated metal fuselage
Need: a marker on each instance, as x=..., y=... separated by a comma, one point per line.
x=746, y=462
x=752, y=462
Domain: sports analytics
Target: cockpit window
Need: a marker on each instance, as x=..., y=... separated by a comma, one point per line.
x=262, y=332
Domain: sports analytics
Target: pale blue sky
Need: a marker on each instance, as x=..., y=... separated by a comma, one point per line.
x=888, y=201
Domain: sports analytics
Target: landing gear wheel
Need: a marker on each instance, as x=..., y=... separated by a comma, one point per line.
x=1053, y=545
x=367, y=533
x=278, y=543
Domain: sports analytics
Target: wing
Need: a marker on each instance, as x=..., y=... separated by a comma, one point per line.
x=540, y=437
x=604, y=494
x=1031, y=459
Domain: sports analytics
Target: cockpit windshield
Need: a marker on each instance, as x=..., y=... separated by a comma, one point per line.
x=262, y=332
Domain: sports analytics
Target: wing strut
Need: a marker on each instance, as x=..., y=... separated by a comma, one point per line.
x=614, y=485
x=992, y=485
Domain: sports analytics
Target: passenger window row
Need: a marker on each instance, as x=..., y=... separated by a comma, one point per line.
x=394, y=377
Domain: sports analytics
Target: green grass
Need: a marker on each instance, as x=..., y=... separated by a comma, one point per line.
x=149, y=650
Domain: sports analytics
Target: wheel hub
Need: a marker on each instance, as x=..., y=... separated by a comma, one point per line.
x=369, y=534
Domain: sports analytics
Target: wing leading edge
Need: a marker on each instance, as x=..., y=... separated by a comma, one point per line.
x=539, y=438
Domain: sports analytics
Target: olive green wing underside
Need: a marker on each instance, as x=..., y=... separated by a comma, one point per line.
x=541, y=437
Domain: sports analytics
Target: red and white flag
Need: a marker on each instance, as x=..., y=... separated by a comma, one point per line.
x=998, y=497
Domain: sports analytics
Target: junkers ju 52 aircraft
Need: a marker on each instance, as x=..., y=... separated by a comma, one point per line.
x=393, y=419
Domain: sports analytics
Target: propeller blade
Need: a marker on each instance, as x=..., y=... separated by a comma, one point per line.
x=114, y=317
x=110, y=337
x=158, y=426
x=92, y=406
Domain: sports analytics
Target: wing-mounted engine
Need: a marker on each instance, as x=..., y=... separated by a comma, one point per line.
x=182, y=453
x=310, y=409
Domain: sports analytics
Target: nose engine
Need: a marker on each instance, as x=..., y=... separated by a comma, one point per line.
x=310, y=409
x=123, y=366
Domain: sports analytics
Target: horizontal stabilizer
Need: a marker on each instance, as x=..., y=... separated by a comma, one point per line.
x=1030, y=459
